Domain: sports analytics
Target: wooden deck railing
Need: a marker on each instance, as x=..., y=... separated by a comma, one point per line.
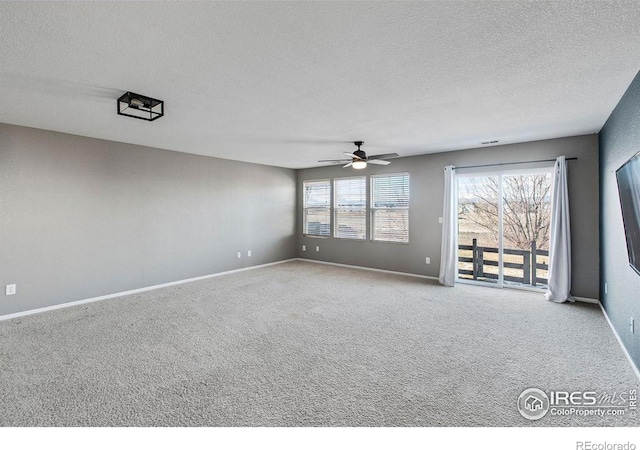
x=529, y=265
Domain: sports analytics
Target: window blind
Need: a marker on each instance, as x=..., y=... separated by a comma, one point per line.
x=390, y=207
x=350, y=207
x=317, y=208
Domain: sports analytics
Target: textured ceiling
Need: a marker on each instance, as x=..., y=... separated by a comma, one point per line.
x=288, y=83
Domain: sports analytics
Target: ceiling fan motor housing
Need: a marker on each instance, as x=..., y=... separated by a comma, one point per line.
x=360, y=154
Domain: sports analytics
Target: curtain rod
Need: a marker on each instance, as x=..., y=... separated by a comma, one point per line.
x=511, y=163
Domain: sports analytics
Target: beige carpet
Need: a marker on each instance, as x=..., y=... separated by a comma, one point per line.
x=304, y=344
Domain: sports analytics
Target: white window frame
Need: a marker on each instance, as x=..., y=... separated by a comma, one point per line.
x=514, y=169
x=305, y=208
x=373, y=209
x=337, y=209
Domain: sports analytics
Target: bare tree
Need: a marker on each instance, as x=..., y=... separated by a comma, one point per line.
x=527, y=210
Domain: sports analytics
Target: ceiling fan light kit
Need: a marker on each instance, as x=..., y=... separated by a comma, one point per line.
x=359, y=164
x=140, y=107
x=359, y=158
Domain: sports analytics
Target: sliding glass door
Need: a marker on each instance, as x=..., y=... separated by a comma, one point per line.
x=503, y=227
x=479, y=228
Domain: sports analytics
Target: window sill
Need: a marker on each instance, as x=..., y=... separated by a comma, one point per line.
x=388, y=242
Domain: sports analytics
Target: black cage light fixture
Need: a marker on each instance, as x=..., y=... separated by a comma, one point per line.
x=140, y=106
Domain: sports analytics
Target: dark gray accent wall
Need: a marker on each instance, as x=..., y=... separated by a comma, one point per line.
x=82, y=217
x=426, y=175
x=619, y=141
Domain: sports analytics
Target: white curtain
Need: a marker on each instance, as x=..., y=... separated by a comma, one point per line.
x=560, y=236
x=448, y=253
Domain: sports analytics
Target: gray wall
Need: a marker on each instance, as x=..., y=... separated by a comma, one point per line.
x=619, y=141
x=426, y=175
x=82, y=217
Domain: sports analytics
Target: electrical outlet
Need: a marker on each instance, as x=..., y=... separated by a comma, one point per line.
x=632, y=325
x=428, y=260
x=304, y=248
x=10, y=289
x=317, y=248
x=239, y=255
x=440, y=220
x=249, y=253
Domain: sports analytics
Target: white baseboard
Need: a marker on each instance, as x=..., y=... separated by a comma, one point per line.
x=368, y=268
x=579, y=299
x=204, y=277
x=624, y=349
x=134, y=291
x=595, y=301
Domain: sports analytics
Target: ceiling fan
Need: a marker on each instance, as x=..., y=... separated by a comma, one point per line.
x=359, y=158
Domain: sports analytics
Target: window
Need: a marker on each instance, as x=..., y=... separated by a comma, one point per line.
x=390, y=207
x=317, y=208
x=503, y=225
x=350, y=208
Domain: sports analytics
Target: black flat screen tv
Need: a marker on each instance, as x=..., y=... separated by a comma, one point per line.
x=628, y=176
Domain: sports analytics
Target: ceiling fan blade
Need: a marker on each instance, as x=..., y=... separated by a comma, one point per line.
x=333, y=160
x=352, y=155
x=383, y=156
x=347, y=165
x=378, y=161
